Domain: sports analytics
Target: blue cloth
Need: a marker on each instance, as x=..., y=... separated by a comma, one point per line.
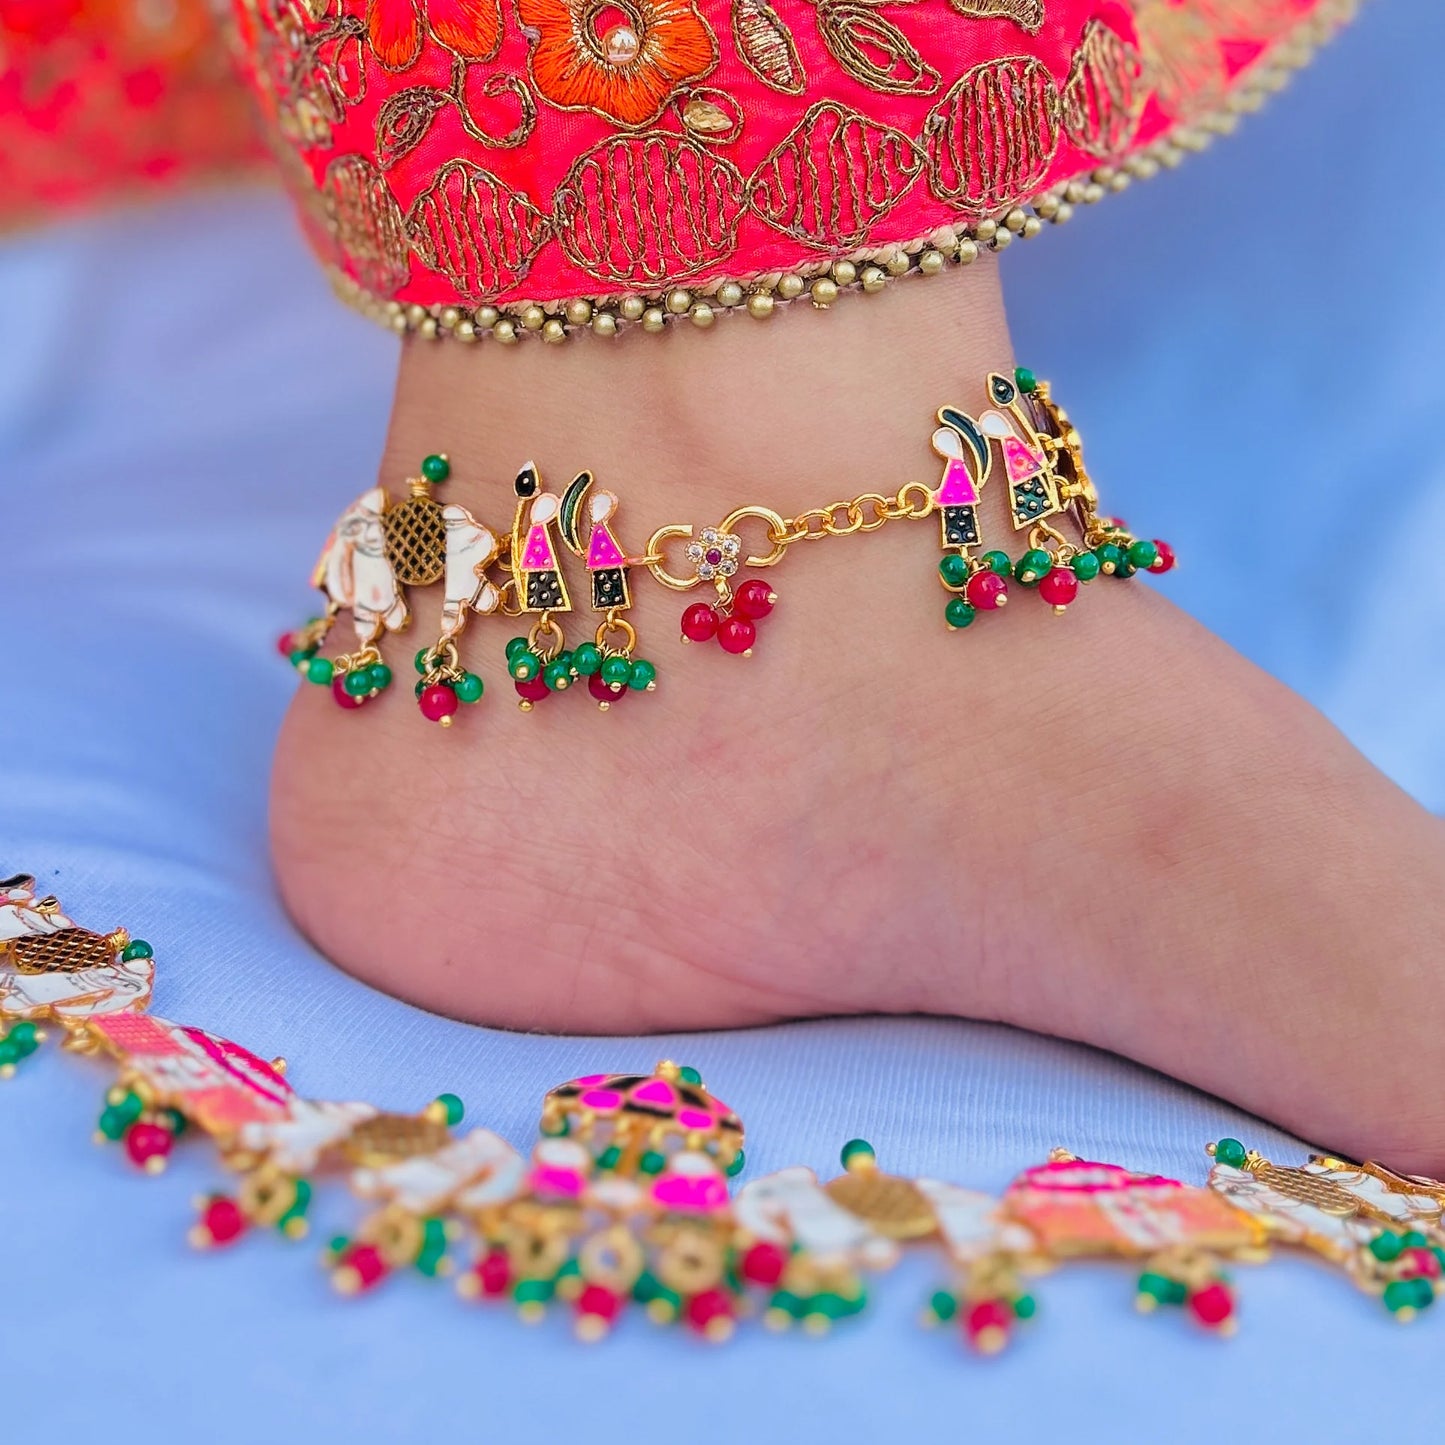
x=167, y=373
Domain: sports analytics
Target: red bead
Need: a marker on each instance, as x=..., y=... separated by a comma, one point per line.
x=699, y=623
x=494, y=1273
x=531, y=690
x=144, y=1142
x=604, y=691
x=988, y=1323
x=754, y=599
x=1059, y=586
x=708, y=1305
x=986, y=591
x=366, y=1263
x=764, y=1263
x=437, y=701
x=736, y=634
x=340, y=696
x=1423, y=1262
x=1164, y=562
x=285, y=644
x=1212, y=1305
x=223, y=1220
x=598, y=1300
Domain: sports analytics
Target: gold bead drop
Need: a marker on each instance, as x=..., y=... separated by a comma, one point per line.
x=632, y=308
x=930, y=263
x=604, y=323
x=487, y=317
x=967, y=252
x=845, y=273
x=760, y=305
x=553, y=330
x=533, y=317
x=824, y=292
x=790, y=287
x=579, y=312
x=678, y=301
x=654, y=318
x=730, y=294
x=702, y=315
x=875, y=278
x=505, y=331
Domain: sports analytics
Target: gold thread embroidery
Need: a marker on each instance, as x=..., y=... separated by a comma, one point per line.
x=834, y=176
x=475, y=229
x=873, y=50
x=1182, y=60
x=492, y=87
x=1103, y=97
x=648, y=208
x=766, y=46
x=992, y=138
x=367, y=223
x=1026, y=14
x=404, y=120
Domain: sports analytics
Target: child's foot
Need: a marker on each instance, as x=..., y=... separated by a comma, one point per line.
x=1106, y=826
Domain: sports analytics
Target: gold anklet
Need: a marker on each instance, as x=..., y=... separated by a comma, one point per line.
x=381, y=547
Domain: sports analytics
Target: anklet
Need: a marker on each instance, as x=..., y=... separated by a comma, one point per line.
x=624, y=1200
x=380, y=547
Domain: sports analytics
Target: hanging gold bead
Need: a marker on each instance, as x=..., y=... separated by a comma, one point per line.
x=845, y=273
x=1046, y=205
x=730, y=294
x=533, y=317
x=579, y=311
x=398, y=323
x=654, y=319
x=449, y=317
x=930, y=263
x=415, y=315
x=760, y=305
x=702, y=315
x=824, y=292
x=678, y=301
x=790, y=287
x=604, y=323
x=553, y=331
x=897, y=263
x=986, y=230
x=466, y=331
x=505, y=331
x=1032, y=227
x=875, y=278
x=1063, y=214
x=632, y=308
x=487, y=316
x=428, y=328
x=967, y=252
x=1002, y=240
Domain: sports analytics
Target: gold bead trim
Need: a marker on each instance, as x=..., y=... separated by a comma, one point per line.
x=763, y=296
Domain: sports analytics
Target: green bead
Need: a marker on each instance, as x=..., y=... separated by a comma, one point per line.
x=646, y=1288
x=175, y=1121
x=1387, y=1246
x=515, y=646
x=338, y=1244
x=1230, y=1152
x=422, y=660
x=453, y=1108
x=1424, y=1292
x=1033, y=566
x=831, y=1306
x=434, y=1235
x=436, y=468
x=358, y=683
x=9, y=1054
x=421, y=687
x=302, y=654
x=558, y=1129
x=571, y=1269
x=129, y=1106
x=856, y=1149
x=943, y=1305
x=959, y=614
x=641, y=675
x=587, y=659
x=25, y=1036
x=1026, y=380
x=381, y=676
x=954, y=569
x=609, y=1158
x=319, y=671
x=113, y=1121
x=1163, y=1289
x=616, y=670
x=524, y=665
x=300, y=1200
x=738, y=1164
x=1110, y=555
x=137, y=948
x=997, y=562
x=1086, y=566
x=557, y=675
x=533, y=1291
x=652, y=1162
x=469, y=687
x=1143, y=554
x=1400, y=1295
x=1125, y=569
x=1413, y=1239
x=1025, y=1307
x=786, y=1301
x=690, y=1075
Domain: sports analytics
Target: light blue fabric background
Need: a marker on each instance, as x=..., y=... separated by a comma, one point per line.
x=170, y=377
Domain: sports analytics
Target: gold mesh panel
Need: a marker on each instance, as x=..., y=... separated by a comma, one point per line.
x=416, y=542
x=1323, y=1194
x=68, y=951
x=390, y=1138
x=894, y=1207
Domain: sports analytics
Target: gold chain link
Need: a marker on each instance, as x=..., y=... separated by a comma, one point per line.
x=863, y=513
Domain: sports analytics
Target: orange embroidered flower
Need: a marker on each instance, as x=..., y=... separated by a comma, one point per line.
x=621, y=58
x=471, y=29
